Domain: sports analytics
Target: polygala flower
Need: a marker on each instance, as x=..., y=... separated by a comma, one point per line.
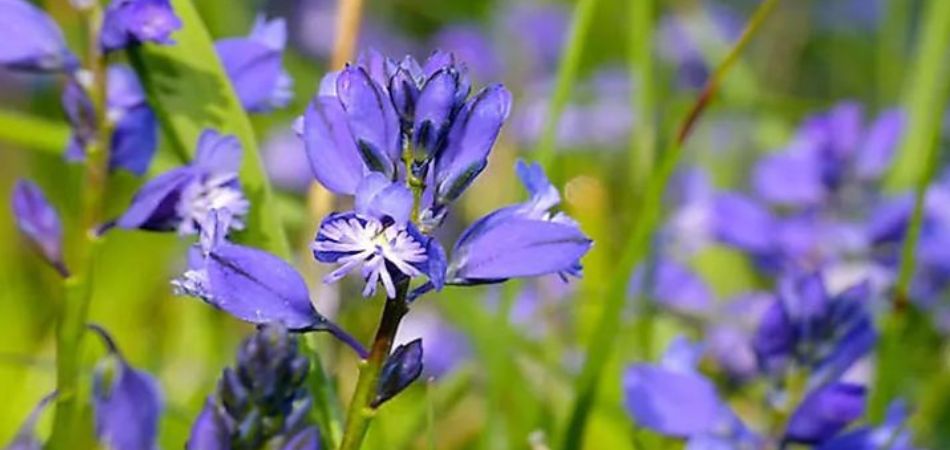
x=261, y=402
x=181, y=199
x=400, y=369
x=135, y=134
x=127, y=402
x=32, y=41
x=25, y=438
x=253, y=64
x=39, y=222
x=132, y=22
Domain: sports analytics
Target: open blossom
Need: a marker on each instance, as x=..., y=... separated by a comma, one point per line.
x=181, y=199
x=253, y=64
x=523, y=240
x=379, y=239
x=32, y=41
x=130, y=22
x=135, y=136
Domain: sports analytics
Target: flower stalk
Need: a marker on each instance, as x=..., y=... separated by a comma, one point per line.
x=67, y=424
x=361, y=411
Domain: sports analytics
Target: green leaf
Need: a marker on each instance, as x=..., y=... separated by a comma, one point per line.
x=33, y=133
x=190, y=91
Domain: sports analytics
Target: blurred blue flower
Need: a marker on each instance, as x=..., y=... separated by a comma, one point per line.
x=182, y=198
x=254, y=65
x=132, y=22
x=39, y=222
x=127, y=402
x=472, y=45
x=135, y=134
x=32, y=41
x=674, y=287
x=892, y=433
x=286, y=161
x=825, y=412
x=687, y=37
x=523, y=240
x=537, y=32
x=25, y=438
x=444, y=347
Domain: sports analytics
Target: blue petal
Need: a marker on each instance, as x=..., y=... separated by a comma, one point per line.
x=208, y=433
x=825, y=412
x=377, y=196
x=743, y=223
x=129, y=22
x=134, y=141
x=331, y=148
x=26, y=439
x=879, y=144
x=372, y=119
x=308, y=439
x=218, y=154
x=790, y=178
x=400, y=369
x=517, y=247
x=154, y=206
x=127, y=408
x=258, y=287
x=39, y=222
x=254, y=65
x=657, y=398
x=436, y=107
x=470, y=140
x=31, y=39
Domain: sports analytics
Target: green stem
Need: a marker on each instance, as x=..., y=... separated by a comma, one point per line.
x=69, y=429
x=361, y=411
x=566, y=76
x=642, y=98
x=601, y=345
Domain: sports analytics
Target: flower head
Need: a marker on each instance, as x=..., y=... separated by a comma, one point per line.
x=253, y=64
x=131, y=22
x=262, y=401
x=182, y=198
x=32, y=41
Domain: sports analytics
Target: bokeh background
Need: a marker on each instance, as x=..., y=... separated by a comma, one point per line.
x=505, y=358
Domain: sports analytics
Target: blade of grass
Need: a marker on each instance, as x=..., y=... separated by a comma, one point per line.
x=33, y=133
x=566, y=76
x=601, y=345
x=189, y=90
x=642, y=97
x=926, y=92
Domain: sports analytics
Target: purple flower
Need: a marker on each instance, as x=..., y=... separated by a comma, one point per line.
x=40, y=223
x=741, y=222
x=254, y=66
x=127, y=402
x=674, y=287
x=32, y=41
x=25, y=438
x=472, y=45
x=182, y=198
x=364, y=113
x=522, y=240
x=378, y=239
x=657, y=395
x=400, y=369
x=286, y=161
x=132, y=22
x=891, y=434
x=135, y=136
x=825, y=412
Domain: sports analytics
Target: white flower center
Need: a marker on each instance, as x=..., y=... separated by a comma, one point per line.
x=212, y=193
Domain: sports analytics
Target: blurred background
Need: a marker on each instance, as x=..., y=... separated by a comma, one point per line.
x=502, y=359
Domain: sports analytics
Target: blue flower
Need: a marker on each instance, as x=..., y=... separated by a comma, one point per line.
x=182, y=198
x=135, y=135
x=891, y=434
x=400, y=369
x=40, y=223
x=127, y=402
x=261, y=402
x=524, y=240
x=31, y=40
x=132, y=22
x=674, y=287
x=825, y=412
x=253, y=64
x=445, y=347
x=378, y=239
